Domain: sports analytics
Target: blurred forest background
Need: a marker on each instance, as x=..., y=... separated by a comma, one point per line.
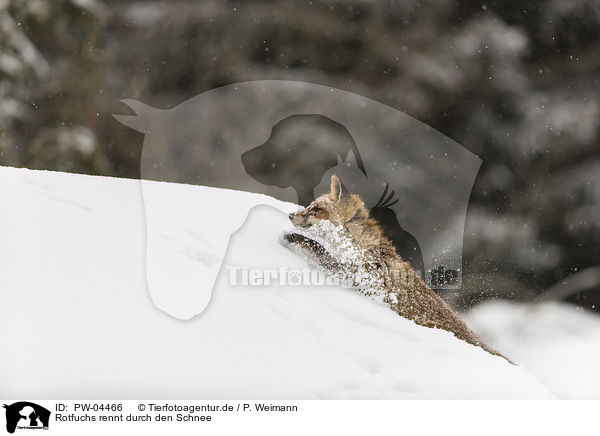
x=515, y=82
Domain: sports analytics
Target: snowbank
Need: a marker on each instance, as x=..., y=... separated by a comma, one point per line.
x=77, y=320
x=558, y=342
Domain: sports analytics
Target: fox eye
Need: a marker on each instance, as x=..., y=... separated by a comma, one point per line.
x=318, y=212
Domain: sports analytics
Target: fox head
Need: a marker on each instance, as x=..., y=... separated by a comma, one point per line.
x=342, y=211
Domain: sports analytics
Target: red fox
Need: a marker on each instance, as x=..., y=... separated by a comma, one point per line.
x=337, y=234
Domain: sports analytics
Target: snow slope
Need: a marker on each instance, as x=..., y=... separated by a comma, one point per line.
x=77, y=320
x=558, y=342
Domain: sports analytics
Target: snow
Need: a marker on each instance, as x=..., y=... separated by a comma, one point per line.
x=558, y=342
x=78, y=321
x=353, y=272
x=188, y=229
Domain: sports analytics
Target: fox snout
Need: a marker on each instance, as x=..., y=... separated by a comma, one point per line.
x=300, y=219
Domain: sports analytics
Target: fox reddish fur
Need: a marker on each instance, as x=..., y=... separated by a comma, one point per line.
x=368, y=261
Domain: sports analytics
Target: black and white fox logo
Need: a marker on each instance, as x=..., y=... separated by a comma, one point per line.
x=26, y=415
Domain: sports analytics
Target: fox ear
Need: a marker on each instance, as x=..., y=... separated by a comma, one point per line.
x=336, y=189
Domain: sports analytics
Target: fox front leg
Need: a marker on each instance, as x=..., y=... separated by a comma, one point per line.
x=313, y=250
